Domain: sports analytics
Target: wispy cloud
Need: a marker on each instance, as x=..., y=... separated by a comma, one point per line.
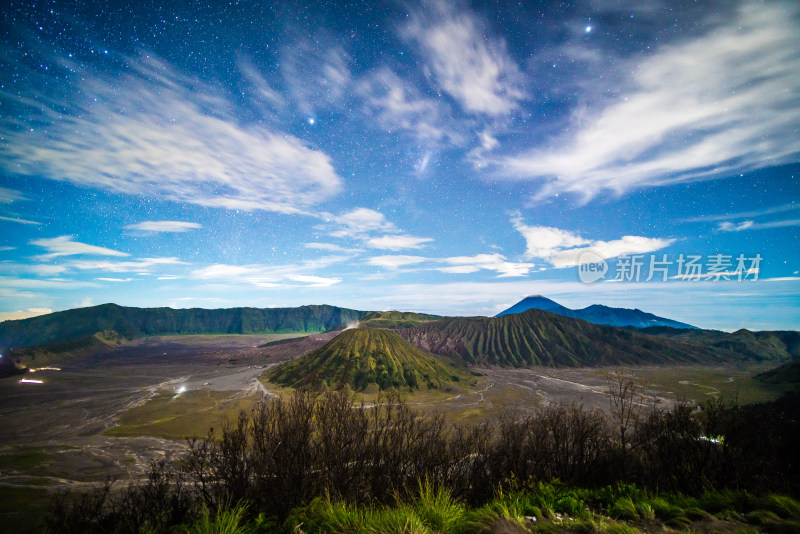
x=745, y=214
x=727, y=226
x=20, y=221
x=490, y=262
x=7, y=196
x=38, y=269
x=24, y=314
x=359, y=223
x=476, y=70
x=154, y=131
x=313, y=281
x=114, y=279
x=163, y=226
x=722, y=103
x=562, y=248
x=455, y=264
x=397, y=242
x=316, y=73
x=395, y=105
x=65, y=246
x=50, y=283
x=271, y=276
x=331, y=247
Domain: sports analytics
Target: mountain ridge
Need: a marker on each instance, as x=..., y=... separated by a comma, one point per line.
x=537, y=337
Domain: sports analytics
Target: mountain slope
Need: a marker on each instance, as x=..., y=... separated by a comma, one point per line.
x=537, y=337
x=596, y=313
x=132, y=323
x=396, y=319
x=535, y=302
x=362, y=356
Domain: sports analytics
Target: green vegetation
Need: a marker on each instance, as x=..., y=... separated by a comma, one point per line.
x=786, y=376
x=58, y=352
x=132, y=323
x=361, y=357
x=540, y=338
x=21, y=508
x=315, y=463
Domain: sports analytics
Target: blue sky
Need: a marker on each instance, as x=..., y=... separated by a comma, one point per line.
x=441, y=157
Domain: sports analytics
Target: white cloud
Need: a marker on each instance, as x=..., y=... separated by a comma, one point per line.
x=65, y=246
x=363, y=224
x=24, y=314
x=20, y=221
x=114, y=279
x=163, y=226
x=6, y=249
x=122, y=266
x=563, y=248
x=360, y=222
x=153, y=131
x=722, y=103
x=476, y=70
x=727, y=226
x=395, y=261
x=397, y=242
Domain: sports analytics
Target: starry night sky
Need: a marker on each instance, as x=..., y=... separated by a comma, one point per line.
x=440, y=157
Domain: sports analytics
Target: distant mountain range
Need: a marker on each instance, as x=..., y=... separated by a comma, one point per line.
x=530, y=338
x=132, y=323
x=359, y=357
x=596, y=313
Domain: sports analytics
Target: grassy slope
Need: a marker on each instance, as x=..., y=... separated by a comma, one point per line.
x=362, y=356
x=537, y=337
x=182, y=416
x=132, y=323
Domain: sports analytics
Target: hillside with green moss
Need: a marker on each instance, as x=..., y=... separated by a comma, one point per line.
x=776, y=345
x=360, y=357
x=132, y=323
x=537, y=337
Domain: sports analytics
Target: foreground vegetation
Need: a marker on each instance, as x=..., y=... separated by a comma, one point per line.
x=315, y=463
